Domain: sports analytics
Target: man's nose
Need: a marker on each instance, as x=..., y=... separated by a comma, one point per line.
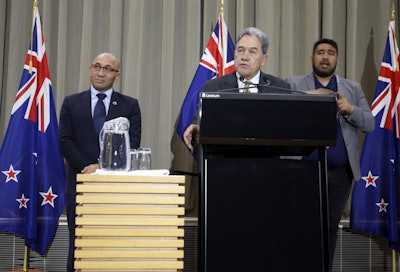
x=245, y=55
x=325, y=55
x=101, y=72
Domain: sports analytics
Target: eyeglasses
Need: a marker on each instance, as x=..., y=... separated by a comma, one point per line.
x=107, y=69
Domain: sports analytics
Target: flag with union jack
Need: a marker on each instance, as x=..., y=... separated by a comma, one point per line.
x=375, y=200
x=217, y=60
x=32, y=178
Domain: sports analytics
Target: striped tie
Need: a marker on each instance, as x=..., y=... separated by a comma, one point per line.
x=246, y=87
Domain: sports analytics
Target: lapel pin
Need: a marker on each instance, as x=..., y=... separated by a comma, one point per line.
x=114, y=103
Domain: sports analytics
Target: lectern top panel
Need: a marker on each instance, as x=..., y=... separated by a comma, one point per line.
x=268, y=119
x=295, y=95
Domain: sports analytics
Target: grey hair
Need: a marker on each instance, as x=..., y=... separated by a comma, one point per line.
x=252, y=31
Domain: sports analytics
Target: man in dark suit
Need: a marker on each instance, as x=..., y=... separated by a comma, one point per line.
x=78, y=137
x=250, y=55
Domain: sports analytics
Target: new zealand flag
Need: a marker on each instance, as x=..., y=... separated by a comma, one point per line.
x=375, y=205
x=32, y=180
x=217, y=60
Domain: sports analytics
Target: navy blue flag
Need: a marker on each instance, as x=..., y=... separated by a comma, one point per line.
x=375, y=201
x=32, y=179
x=217, y=60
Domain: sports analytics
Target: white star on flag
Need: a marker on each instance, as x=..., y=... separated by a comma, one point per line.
x=22, y=201
x=370, y=179
x=382, y=206
x=48, y=197
x=11, y=174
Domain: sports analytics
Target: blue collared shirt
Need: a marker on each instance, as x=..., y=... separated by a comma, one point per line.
x=336, y=155
x=106, y=101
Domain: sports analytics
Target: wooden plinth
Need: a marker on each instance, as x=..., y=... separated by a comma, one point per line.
x=129, y=223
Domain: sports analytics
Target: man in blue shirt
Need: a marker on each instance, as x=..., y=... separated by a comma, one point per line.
x=355, y=114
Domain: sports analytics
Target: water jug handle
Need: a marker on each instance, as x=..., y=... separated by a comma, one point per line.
x=101, y=136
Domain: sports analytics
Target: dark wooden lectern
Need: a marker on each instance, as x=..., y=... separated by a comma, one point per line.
x=260, y=210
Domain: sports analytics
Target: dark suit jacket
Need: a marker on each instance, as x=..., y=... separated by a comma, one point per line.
x=230, y=81
x=77, y=136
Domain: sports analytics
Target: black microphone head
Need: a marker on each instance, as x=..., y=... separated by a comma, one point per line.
x=241, y=78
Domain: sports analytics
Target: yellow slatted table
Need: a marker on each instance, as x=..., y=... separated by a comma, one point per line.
x=129, y=223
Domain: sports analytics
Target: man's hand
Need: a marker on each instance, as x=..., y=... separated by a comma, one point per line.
x=344, y=105
x=91, y=168
x=320, y=91
x=192, y=133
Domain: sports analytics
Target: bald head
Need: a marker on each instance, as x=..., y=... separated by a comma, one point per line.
x=104, y=71
x=110, y=58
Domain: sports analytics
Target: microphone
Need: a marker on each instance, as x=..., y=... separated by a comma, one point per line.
x=241, y=78
x=273, y=89
x=230, y=90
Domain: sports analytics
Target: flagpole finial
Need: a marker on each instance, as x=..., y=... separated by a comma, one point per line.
x=35, y=5
x=392, y=16
x=221, y=9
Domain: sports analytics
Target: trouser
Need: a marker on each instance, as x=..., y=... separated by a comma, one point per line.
x=339, y=186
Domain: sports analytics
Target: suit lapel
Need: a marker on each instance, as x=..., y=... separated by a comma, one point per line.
x=340, y=87
x=114, y=109
x=86, y=116
x=310, y=82
x=264, y=79
x=87, y=105
x=230, y=81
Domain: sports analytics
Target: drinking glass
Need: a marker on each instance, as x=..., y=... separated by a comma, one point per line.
x=144, y=158
x=134, y=159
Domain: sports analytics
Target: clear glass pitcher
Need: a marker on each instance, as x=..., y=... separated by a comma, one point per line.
x=114, y=145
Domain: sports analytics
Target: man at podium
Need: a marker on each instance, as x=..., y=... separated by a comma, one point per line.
x=250, y=55
x=355, y=114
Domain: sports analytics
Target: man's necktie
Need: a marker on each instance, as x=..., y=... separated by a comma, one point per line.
x=246, y=87
x=99, y=114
